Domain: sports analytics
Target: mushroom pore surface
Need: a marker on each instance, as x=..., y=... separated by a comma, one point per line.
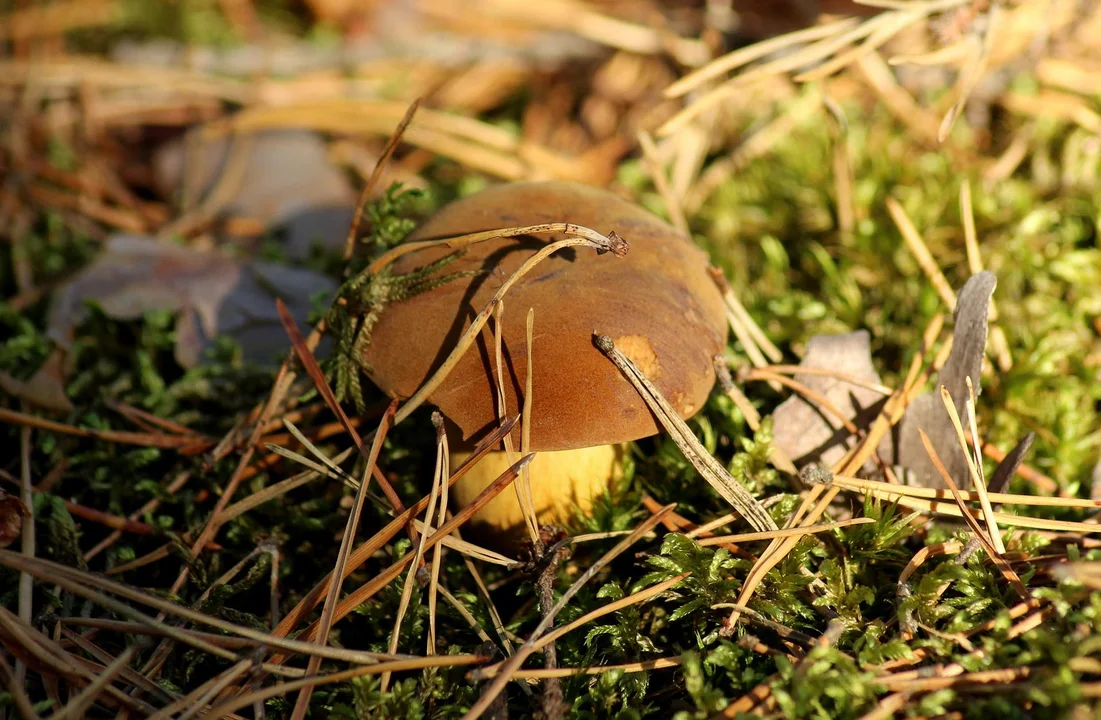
x=658, y=303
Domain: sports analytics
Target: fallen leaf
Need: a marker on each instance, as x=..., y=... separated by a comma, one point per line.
x=928, y=413
x=1007, y=468
x=214, y=295
x=46, y=388
x=806, y=431
x=286, y=183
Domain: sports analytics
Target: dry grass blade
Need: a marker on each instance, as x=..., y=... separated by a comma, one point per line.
x=197, y=700
x=309, y=363
x=1003, y=566
x=167, y=442
x=279, y=689
x=921, y=253
x=521, y=488
x=439, y=478
x=824, y=372
x=949, y=508
x=633, y=599
x=644, y=666
x=491, y=608
x=750, y=53
x=18, y=694
x=383, y=536
x=469, y=549
x=977, y=56
x=325, y=623
x=661, y=181
x=999, y=345
x=843, y=177
x=81, y=583
x=785, y=63
x=785, y=533
x=779, y=458
x=28, y=642
x=76, y=707
x=609, y=243
x=213, y=688
x=376, y=174
x=711, y=469
x=283, y=486
x=739, y=316
x=437, y=555
x=466, y=614
x=874, y=41
x=513, y=664
x=384, y=578
x=890, y=490
x=525, y=423
x=612, y=243
x=976, y=476
x=125, y=673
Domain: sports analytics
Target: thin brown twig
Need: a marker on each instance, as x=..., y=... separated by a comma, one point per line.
x=28, y=540
x=383, y=536
x=513, y=664
x=368, y=590
x=376, y=175
x=327, y=609
x=999, y=561
x=76, y=707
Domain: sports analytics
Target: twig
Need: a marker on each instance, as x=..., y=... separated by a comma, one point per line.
x=75, y=708
x=552, y=702
x=18, y=693
x=26, y=582
x=512, y=664
x=1003, y=566
x=325, y=623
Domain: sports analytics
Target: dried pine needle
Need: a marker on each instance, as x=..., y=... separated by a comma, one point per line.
x=710, y=468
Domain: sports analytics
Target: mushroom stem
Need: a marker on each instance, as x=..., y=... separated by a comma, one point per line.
x=562, y=482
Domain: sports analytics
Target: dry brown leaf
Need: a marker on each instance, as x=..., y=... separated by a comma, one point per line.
x=928, y=413
x=213, y=293
x=802, y=428
x=286, y=182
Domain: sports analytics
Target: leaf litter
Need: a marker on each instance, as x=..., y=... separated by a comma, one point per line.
x=827, y=579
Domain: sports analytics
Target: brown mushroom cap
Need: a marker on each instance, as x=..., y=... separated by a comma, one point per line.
x=658, y=303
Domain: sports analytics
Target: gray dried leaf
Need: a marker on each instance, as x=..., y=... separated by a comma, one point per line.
x=1007, y=468
x=928, y=413
x=287, y=182
x=804, y=429
x=214, y=295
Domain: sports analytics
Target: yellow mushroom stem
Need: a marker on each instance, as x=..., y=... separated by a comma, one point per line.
x=562, y=482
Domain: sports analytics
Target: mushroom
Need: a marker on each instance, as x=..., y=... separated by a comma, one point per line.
x=658, y=303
